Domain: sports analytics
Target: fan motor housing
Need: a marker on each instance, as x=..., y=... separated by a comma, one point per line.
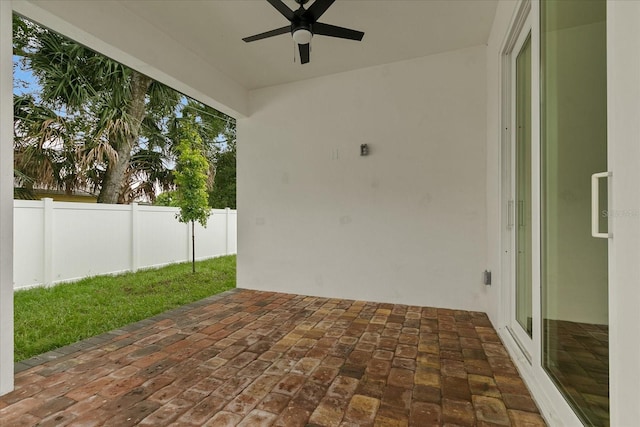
x=301, y=25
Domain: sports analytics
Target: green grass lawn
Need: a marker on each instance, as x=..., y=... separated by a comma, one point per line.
x=49, y=318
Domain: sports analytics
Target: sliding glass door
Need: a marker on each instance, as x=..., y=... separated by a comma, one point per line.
x=520, y=191
x=523, y=199
x=573, y=143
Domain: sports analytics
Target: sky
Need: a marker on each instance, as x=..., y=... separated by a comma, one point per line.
x=22, y=74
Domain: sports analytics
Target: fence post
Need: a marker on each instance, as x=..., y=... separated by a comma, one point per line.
x=226, y=231
x=135, y=237
x=47, y=241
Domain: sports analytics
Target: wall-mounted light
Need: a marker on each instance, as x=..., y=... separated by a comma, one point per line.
x=364, y=149
x=486, y=277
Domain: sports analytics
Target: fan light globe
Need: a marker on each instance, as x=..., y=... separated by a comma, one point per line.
x=302, y=36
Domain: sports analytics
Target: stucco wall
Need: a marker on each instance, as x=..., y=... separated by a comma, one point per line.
x=405, y=224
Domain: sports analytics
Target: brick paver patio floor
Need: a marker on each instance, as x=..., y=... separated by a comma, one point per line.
x=250, y=358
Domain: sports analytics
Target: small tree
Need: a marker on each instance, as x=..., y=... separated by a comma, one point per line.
x=191, y=181
x=223, y=193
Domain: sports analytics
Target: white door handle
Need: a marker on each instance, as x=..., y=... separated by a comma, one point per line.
x=595, y=208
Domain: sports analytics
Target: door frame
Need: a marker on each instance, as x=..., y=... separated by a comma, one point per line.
x=623, y=153
x=551, y=402
x=520, y=35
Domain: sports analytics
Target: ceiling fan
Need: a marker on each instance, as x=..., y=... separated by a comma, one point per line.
x=304, y=25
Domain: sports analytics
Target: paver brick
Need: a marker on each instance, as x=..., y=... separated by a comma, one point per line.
x=422, y=393
x=362, y=410
x=455, y=388
x=89, y=389
x=309, y=396
x=458, y=412
x=290, y=384
x=378, y=368
x=397, y=397
x=250, y=358
x=401, y=378
x=519, y=402
x=324, y=375
x=371, y=386
x=293, y=416
x=525, y=419
x=166, y=413
x=453, y=368
x=425, y=414
x=165, y=394
x=428, y=377
x=484, y=386
x=305, y=366
x=329, y=412
x=204, y=410
x=274, y=402
x=224, y=419
x=120, y=387
x=134, y=415
x=491, y=410
x=511, y=384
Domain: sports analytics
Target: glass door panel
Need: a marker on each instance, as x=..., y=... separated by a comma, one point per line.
x=523, y=188
x=574, y=269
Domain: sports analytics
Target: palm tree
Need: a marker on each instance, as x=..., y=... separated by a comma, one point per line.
x=117, y=128
x=109, y=99
x=42, y=150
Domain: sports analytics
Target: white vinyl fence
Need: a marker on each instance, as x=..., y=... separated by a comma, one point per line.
x=62, y=241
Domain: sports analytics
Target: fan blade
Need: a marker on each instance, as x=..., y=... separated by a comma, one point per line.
x=318, y=8
x=334, y=31
x=267, y=34
x=282, y=8
x=304, y=53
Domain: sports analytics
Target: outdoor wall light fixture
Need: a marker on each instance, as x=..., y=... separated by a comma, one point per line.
x=486, y=277
x=364, y=150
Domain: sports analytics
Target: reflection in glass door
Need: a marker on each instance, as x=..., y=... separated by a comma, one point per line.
x=574, y=270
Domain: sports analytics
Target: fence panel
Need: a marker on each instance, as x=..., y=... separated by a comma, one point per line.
x=232, y=226
x=163, y=240
x=212, y=238
x=60, y=241
x=28, y=251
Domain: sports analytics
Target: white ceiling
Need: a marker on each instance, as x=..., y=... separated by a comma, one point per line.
x=395, y=30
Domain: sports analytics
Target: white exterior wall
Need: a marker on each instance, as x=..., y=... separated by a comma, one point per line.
x=57, y=241
x=406, y=224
